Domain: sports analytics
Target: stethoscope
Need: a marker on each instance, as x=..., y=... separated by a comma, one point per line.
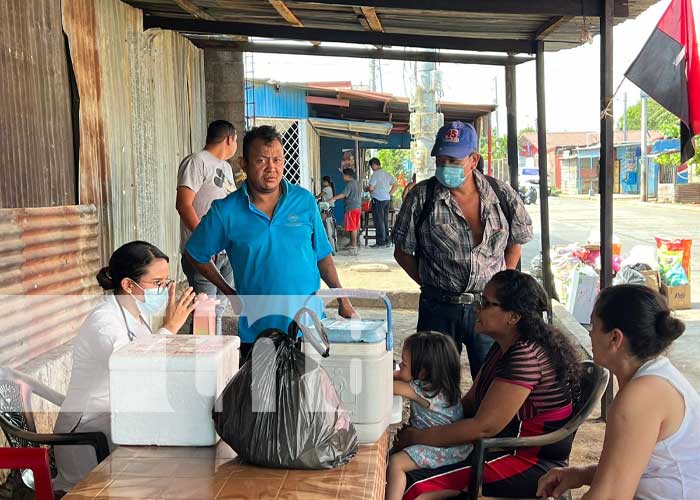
x=129, y=333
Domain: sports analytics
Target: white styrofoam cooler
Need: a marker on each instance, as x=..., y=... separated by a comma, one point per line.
x=360, y=364
x=163, y=388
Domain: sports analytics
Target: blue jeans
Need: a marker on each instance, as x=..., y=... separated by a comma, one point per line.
x=456, y=321
x=380, y=215
x=202, y=285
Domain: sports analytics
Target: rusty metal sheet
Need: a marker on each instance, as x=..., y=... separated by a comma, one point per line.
x=48, y=261
x=36, y=138
x=143, y=108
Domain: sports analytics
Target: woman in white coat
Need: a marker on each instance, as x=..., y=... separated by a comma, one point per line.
x=137, y=277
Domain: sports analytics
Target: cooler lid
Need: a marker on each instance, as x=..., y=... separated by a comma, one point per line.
x=355, y=331
x=173, y=353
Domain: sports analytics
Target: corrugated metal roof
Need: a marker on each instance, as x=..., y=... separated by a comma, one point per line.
x=143, y=109
x=36, y=139
x=378, y=128
x=48, y=261
x=452, y=23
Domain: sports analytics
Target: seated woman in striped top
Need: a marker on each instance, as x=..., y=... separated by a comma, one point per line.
x=526, y=387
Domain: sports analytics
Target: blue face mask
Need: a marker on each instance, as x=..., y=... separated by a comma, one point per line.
x=450, y=175
x=153, y=302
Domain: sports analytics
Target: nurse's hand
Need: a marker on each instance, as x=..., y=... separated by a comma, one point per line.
x=179, y=309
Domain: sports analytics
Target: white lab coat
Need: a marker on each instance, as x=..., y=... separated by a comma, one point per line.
x=86, y=407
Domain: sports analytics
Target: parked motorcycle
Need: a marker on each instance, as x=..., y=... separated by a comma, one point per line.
x=528, y=193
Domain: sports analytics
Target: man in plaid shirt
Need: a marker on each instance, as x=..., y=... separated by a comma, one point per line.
x=463, y=239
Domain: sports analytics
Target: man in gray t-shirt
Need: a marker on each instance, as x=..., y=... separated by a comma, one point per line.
x=202, y=178
x=352, y=194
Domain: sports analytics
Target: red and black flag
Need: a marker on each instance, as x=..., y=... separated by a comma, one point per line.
x=668, y=69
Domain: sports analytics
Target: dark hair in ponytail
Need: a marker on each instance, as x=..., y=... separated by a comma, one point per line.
x=522, y=294
x=642, y=315
x=128, y=261
x=435, y=361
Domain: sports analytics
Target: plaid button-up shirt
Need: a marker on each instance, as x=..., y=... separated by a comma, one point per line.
x=449, y=259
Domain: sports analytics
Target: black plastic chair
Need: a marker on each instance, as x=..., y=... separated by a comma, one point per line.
x=17, y=418
x=593, y=383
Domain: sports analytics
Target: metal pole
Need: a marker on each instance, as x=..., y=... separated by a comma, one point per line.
x=490, y=147
x=624, y=120
x=644, y=187
x=512, y=126
x=544, y=185
x=605, y=180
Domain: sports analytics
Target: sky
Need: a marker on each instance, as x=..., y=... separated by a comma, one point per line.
x=572, y=79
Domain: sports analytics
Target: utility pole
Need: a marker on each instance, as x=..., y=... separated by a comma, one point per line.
x=643, y=188
x=624, y=121
x=425, y=119
x=495, y=84
x=373, y=74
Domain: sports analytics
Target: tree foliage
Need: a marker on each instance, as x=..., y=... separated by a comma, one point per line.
x=658, y=118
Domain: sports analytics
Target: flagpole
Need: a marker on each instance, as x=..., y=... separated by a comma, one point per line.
x=644, y=186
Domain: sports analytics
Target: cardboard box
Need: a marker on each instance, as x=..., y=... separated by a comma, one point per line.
x=678, y=296
x=652, y=278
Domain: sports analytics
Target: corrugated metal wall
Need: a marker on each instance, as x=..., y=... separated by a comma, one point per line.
x=48, y=261
x=36, y=140
x=143, y=108
x=278, y=102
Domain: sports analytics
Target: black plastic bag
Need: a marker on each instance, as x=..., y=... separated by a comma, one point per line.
x=281, y=409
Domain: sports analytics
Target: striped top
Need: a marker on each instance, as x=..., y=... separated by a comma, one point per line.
x=527, y=364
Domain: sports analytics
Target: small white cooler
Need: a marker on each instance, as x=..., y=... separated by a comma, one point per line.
x=360, y=364
x=163, y=388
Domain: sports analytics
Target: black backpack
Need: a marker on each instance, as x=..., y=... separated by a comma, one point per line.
x=430, y=203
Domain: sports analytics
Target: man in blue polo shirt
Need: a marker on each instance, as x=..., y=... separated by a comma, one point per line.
x=273, y=234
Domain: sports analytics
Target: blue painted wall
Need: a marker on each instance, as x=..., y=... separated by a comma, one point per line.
x=283, y=103
x=332, y=153
x=628, y=156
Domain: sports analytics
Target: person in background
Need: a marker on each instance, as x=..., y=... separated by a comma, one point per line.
x=272, y=231
x=139, y=286
x=352, y=194
x=381, y=186
x=651, y=449
x=202, y=178
x=428, y=377
x=327, y=191
x=409, y=186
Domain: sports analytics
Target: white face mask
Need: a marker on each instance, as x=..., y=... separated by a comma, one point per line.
x=154, y=302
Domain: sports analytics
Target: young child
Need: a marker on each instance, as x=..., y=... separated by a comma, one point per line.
x=327, y=190
x=429, y=376
x=353, y=203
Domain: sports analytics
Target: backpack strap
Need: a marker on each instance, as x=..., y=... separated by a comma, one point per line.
x=505, y=207
x=427, y=207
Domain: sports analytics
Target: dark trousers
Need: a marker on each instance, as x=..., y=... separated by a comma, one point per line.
x=380, y=214
x=456, y=321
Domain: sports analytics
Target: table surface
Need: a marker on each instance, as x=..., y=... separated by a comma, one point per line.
x=149, y=473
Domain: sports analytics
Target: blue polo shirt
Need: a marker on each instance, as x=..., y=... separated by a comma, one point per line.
x=274, y=259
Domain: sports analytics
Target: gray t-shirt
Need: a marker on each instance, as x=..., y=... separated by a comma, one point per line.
x=327, y=194
x=353, y=195
x=210, y=178
x=382, y=182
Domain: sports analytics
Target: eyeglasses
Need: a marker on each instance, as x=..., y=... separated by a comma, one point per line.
x=485, y=304
x=161, y=285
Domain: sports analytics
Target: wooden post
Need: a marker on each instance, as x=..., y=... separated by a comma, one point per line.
x=511, y=111
x=607, y=160
x=542, y=156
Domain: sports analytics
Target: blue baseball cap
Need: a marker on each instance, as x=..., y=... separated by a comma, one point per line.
x=456, y=140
